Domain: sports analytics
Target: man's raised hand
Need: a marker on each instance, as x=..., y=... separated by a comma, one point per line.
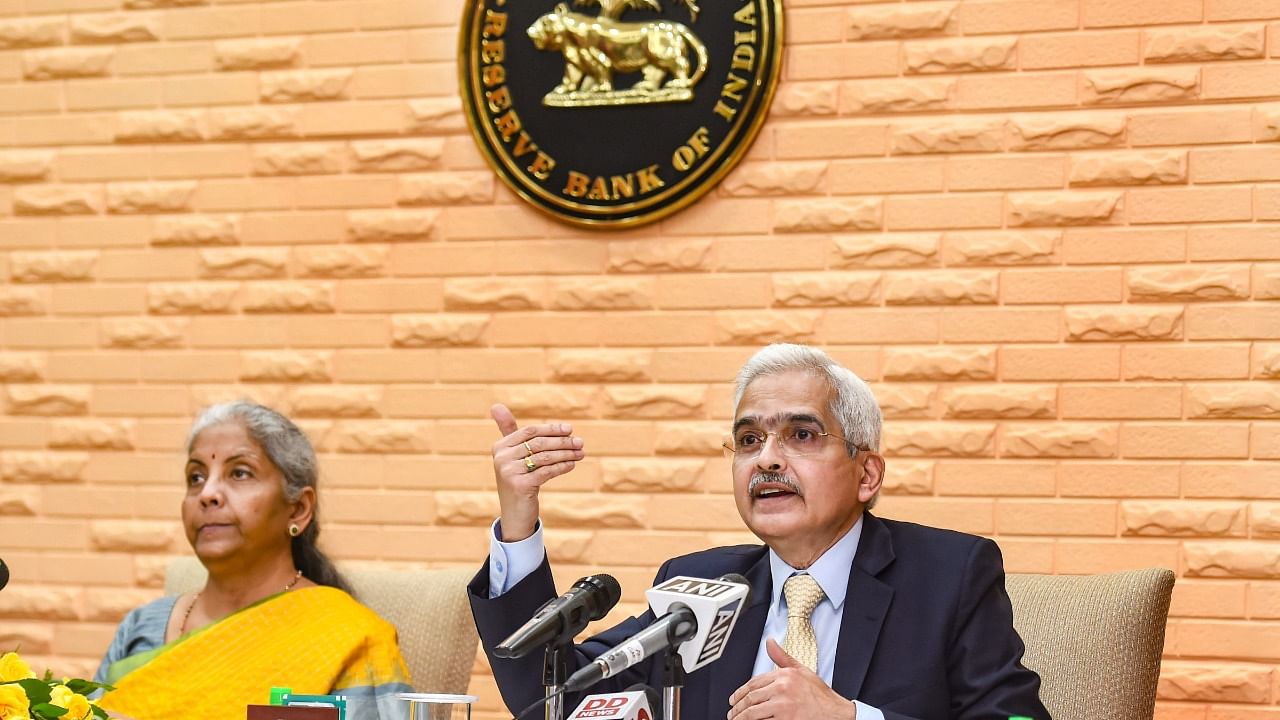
x=524, y=459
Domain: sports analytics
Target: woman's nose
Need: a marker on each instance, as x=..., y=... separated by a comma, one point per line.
x=211, y=491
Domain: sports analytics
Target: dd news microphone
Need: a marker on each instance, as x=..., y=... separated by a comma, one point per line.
x=561, y=618
x=639, y=702
x=694, y=614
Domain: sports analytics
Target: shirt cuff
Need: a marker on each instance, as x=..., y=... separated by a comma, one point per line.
x=511, y=562
x=866, y=712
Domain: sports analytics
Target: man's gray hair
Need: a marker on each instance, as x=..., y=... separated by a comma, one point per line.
x=852, y=403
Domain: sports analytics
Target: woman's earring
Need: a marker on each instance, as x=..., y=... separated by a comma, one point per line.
x=294, y=530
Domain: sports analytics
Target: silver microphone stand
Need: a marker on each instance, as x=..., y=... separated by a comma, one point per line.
x=555, y=673
x=672, y=684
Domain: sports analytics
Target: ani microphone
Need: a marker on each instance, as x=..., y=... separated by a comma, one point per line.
x=695, y=614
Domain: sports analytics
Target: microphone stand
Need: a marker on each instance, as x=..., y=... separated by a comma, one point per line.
x=555, y=673
x=672, y=684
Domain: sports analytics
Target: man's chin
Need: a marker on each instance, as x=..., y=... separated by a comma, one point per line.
x=773, y=525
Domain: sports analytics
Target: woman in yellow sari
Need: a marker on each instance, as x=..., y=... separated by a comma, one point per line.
x=275, y=612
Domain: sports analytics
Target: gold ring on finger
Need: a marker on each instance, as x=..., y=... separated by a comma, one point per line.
x=529, y=464
x=527, y=448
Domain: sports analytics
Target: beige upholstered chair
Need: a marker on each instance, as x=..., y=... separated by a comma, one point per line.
x=428, y=607
x=1096, y=640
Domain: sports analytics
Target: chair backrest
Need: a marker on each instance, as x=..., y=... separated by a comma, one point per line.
x=1095, y=640
x=428, y=608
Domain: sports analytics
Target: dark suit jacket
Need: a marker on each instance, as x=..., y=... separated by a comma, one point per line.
x=927, y=630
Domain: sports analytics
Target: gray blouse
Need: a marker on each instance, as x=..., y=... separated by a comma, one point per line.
x=141, y=630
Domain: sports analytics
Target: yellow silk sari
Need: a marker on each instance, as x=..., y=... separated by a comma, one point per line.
x=315, y=640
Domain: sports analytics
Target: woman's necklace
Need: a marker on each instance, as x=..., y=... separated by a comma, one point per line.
x=182, y=629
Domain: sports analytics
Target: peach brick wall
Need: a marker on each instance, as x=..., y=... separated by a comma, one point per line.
x=1045, y=229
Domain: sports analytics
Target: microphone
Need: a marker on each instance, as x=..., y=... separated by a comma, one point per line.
x=4, y=574
x=638, y=702
x=559, y=619
x=695, y=614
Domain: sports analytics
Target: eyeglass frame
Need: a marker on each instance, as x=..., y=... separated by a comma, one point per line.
x=782, y=445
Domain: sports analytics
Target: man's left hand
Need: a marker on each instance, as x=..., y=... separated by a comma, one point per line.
x=791, y=692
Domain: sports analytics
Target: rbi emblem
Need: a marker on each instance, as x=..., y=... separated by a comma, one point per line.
x=614, y=113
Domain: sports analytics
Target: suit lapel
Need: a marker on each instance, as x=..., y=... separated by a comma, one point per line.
x=865, y=606
x=734, y=667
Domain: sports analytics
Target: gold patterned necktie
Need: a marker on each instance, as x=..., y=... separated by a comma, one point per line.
x=803, y=595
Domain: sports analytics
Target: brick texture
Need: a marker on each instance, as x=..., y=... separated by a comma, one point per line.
x=1046, y=231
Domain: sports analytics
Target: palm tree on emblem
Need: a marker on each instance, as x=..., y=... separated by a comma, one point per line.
x=597, y=48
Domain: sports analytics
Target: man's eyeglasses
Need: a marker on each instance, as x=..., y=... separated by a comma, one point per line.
x=794, y=440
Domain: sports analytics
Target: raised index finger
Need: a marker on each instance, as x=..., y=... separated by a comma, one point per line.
x=530, y=432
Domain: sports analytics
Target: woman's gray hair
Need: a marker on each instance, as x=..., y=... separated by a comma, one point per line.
x=852, y=403
x=288, y=448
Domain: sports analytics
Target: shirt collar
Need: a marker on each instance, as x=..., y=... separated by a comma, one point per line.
x=831, y=569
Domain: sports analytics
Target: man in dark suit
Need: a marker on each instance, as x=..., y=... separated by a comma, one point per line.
x=851, y=616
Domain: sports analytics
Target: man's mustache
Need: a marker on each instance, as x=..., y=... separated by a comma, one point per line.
x=759, y=478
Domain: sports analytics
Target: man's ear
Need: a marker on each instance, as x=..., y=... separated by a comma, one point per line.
x=872, y=476
x=303, y=509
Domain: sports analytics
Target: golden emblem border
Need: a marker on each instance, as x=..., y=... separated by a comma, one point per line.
x=507, y=171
